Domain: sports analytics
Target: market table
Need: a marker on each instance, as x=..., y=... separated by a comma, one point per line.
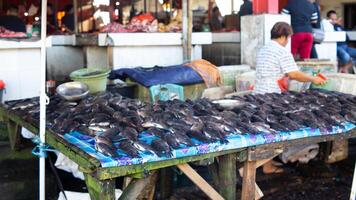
x=100, y=180
x=253, y=150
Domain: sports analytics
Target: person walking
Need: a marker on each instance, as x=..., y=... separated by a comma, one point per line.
x=303, y=15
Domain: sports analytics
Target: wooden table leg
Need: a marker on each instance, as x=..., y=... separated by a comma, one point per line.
x=248, y=181
x=100, y=189
x=200, y=182
x=227, y=176
x=14, y=134
x=136, y=186
x=166, y=182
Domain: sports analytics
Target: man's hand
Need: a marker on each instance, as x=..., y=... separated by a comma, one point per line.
x=318, y=81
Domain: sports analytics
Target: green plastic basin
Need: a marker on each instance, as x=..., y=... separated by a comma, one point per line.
x=96, y=79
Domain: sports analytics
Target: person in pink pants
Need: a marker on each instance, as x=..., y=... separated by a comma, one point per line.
x=303, y=14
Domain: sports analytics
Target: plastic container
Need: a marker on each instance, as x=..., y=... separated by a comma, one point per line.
x=166, y=92
x=245, y=81
x=265, y=6
x=229, y=72
x=317, y=66
x=124, y=90
x=96, y=79
x=312, y=67
x=345, y=83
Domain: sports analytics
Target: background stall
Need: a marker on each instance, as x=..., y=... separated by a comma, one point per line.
x=20, y=68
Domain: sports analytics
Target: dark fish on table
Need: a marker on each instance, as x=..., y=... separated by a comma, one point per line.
x=153, y=124
x=105, y=146
x=262, y=127
x=128, y=147
x=158, y=132
x=143, y=147
x=111, y=133
x=176, y=139
x=130, y=133
x=214, y=134
x=100, y=118
x=200, y=136
x=106, y=109
x=247, y=127
x=256, y=118
x=278, y=127
x=161, y=148
x=85, y=130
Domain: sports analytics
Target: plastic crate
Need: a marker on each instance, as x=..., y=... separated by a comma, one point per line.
x=245, y=81
x=345, y=83
x=229, y=72
x=316, y=66
x=311, y=67
x=166, y=92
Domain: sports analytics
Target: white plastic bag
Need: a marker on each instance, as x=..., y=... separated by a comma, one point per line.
x=66, y=164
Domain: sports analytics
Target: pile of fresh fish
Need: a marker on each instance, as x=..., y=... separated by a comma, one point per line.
x=116, y=122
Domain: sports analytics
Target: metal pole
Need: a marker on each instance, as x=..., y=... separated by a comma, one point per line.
x=353, y=187
x=232, y=6
x=145, y=6
x=43, y=96
x=75, y=9
x=81, y=15
x=156, y=8
x=187, y=30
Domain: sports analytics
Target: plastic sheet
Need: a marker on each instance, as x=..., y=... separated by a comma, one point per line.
x=86, y=143
x=147, y=77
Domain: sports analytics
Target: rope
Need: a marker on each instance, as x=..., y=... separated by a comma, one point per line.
x=41, y=149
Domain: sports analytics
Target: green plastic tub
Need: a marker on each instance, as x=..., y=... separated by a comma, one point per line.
x=96, y=79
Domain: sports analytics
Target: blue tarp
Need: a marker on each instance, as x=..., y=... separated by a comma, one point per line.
x=178, y=74
x=236, y=141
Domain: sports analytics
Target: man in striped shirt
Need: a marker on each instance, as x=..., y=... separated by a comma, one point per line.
x=274, y=62
x=303, y=14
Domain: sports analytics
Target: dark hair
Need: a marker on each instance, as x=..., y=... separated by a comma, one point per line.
x=281, y=29
x=215, y=9
x=68, y=8
x=331, y=12
x=13, y=8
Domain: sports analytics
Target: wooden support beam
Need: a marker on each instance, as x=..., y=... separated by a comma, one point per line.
x=259, y=163
x=227, y=176
x=165, y=182
x=14, y=131
x=200, y=182
x=248, y=181
x=126, y=182
x=149, y=190
x=100, y=189
x=135, y=188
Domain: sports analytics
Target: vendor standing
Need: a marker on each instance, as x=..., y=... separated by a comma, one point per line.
x=274, y=64
x=12, y=21
x=216, y=20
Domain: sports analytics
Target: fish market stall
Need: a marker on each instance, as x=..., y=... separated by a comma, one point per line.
x=20, y=67
x=327, y=49
x=225, y=48
x=63, y=57
x=149, y=49
x=110, y=136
